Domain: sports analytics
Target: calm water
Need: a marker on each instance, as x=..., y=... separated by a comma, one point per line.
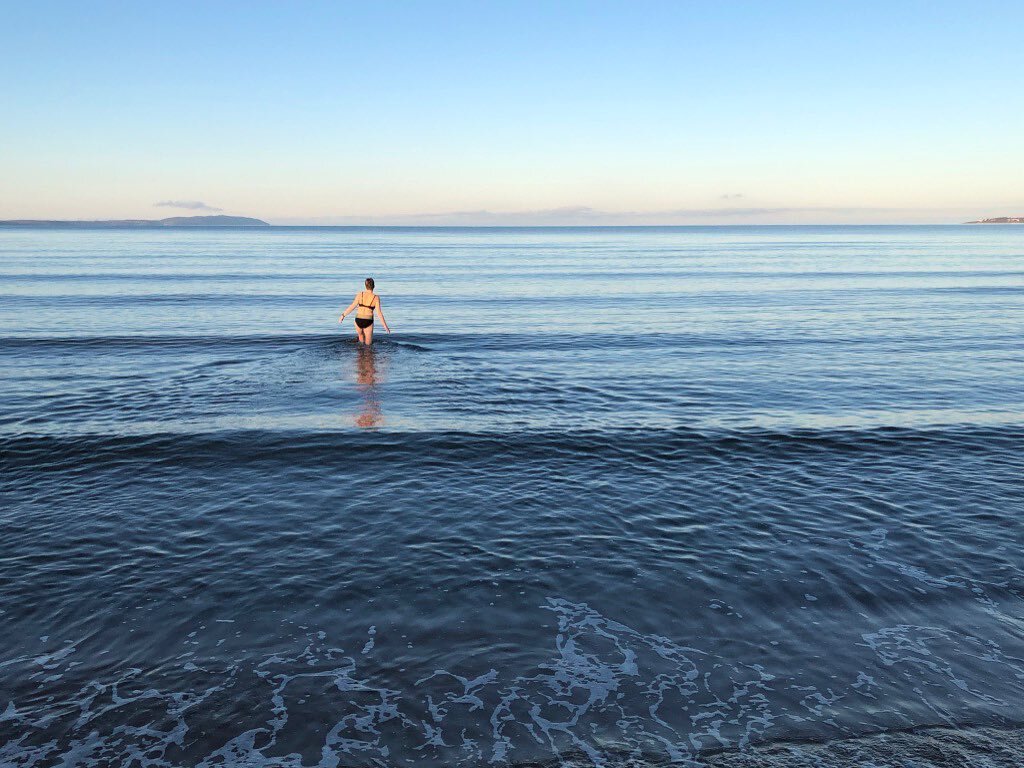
x=725, y=496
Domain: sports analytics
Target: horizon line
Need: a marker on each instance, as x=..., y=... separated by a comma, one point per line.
x=102, y=224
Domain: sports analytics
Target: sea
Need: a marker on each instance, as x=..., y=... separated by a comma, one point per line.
x=698, y=496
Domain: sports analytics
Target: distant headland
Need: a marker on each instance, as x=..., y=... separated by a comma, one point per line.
x=1000, y=220
x=174, y=221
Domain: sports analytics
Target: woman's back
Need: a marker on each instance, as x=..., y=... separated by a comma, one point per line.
x=366, y=300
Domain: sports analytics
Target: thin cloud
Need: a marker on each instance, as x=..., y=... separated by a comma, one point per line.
x=731, y=196
x=586, y=216
x=188, y=205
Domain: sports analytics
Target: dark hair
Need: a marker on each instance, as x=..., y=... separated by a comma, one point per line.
x=369, y=283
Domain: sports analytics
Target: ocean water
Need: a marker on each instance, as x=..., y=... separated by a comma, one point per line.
x=742, y=496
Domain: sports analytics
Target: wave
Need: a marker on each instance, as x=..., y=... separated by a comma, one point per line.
x=650, y=445
x=511, y=272
x=602, y=693
x=812, y=294
x=924, y=747
x=496, y=340
x=139, y=341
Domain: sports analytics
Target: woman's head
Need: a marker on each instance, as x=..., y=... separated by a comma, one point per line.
x=369, y=283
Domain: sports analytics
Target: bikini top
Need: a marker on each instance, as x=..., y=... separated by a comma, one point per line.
x=366, y=306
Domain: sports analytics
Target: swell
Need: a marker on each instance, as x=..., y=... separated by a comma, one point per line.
x=248, y=298
x=511, y=341
x=511, y=272
x=38, y=452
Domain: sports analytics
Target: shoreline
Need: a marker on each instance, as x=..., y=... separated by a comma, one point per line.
x=931, y=746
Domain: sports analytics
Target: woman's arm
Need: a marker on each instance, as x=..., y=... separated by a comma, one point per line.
x=380, y=312
x=350, y=307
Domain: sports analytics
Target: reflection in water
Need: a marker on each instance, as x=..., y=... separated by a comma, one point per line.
x=367, y=379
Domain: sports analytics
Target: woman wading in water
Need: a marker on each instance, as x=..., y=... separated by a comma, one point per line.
x=364, y=304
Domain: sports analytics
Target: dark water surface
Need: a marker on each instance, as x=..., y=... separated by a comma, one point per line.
x=710, y=496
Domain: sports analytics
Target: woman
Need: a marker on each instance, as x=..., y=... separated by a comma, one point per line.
x=364, y=304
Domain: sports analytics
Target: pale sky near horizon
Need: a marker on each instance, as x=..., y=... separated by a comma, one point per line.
x=518, y=112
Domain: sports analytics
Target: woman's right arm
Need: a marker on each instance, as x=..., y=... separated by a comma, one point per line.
x=349, y=308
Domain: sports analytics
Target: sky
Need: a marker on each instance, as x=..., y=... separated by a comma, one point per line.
x=480, y=113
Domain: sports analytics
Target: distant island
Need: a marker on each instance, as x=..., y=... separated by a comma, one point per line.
x=174, y=221
x=1000, y=220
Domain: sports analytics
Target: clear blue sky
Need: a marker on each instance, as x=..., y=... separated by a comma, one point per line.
x=483, y=112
